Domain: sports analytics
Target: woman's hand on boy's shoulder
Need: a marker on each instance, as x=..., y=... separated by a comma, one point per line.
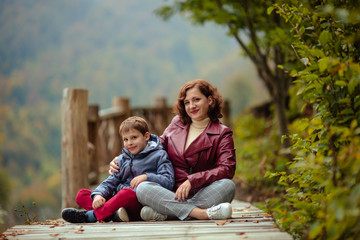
x=114, y=168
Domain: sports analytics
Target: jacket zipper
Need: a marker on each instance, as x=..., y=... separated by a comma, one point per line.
x=131, y=164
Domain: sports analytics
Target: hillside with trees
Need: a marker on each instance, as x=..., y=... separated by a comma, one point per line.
x=299, y=162
x=112, y=48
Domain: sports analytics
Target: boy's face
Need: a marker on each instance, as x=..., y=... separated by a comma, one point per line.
x=135, y=141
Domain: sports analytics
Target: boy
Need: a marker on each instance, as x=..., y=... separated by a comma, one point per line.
x=142, y=159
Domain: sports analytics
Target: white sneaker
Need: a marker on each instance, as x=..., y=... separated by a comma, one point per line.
x=147, y=213
x=123, y=215
x=221, y=211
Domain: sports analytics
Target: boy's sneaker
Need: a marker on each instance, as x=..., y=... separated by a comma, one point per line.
x=147, y=214
x=74, y=216
x=121, y=215
x=221, y=211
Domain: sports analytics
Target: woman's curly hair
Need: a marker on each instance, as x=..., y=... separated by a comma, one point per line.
x=208, y=90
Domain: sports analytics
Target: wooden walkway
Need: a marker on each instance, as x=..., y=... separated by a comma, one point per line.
x=248, y=222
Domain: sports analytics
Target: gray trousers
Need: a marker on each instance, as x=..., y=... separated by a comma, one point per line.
x=163, y=200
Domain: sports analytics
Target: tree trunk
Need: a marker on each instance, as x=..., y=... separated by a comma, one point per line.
x=280, y=111
x=277, y=84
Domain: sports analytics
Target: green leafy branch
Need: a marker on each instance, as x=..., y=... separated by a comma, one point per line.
x=25, y=213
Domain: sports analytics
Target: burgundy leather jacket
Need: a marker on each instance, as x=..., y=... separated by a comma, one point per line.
x=210, y=157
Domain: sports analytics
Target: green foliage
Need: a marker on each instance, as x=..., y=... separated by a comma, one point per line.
x=262, y=37
x=26, y=213
x=322, y=199
x=256, y=144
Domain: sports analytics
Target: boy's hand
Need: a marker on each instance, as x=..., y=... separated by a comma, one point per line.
x=98, y=202
x=137, y=180
x=113, y=167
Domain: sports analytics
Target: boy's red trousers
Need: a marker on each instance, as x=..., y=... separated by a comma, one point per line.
x=125, y=198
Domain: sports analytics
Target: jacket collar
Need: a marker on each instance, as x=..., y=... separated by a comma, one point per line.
x=201, y=143
x=212, y=128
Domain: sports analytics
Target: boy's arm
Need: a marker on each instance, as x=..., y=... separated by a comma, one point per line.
x=109, y=185
x=137, y=180
x=165, y=172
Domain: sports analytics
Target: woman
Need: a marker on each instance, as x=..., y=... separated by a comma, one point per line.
x=202, y=152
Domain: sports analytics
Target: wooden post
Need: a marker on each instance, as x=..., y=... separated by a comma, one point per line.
x=74, y=144
x=123, y=104
x=160, y=102
x=161, y=121
x=115, y=142
x=93, y=127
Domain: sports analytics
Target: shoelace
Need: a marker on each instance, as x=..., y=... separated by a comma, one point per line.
x=213, y=210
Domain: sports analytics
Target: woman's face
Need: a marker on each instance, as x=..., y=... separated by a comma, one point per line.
x=196, y=104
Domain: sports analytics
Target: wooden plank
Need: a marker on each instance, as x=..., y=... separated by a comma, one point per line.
x=248, y=222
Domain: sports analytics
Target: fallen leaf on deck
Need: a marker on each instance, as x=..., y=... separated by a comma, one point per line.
x=220, y=223
x=19, y=232
x=79, y=229
x=54, y=234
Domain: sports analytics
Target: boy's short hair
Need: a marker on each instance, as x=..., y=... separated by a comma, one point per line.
x=134, y=122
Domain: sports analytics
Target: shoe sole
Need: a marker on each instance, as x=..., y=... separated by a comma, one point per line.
x=123, y=215
x=143, y=214
x=146, y=216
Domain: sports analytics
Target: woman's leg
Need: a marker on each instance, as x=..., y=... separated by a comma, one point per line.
x=214, y=194
x=163, y=200
x=217, y=192
x=125, y=198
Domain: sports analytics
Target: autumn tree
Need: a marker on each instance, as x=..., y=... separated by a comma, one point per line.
x=263, y=38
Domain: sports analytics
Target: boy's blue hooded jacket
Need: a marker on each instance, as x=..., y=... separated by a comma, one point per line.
x=152, y=161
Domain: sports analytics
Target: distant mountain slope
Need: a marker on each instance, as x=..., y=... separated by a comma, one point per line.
x=110, y=47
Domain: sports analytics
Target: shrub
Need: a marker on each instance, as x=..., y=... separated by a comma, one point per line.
x=322, y=182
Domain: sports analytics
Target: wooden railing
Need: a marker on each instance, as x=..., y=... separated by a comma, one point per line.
x=87, y=151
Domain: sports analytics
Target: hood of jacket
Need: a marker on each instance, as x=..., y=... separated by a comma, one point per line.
x=153, y=144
